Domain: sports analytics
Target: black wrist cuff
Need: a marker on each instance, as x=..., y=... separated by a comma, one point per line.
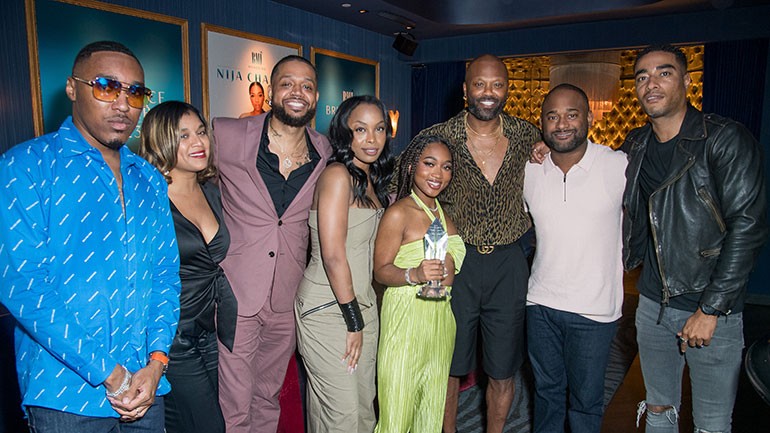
x=351, y=312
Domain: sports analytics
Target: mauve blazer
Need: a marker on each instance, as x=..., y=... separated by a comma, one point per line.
x=266, y=252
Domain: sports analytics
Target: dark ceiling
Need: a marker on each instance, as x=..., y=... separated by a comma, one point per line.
x=427, y=19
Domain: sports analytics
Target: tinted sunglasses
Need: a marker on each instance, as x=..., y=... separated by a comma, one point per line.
x=108, y=90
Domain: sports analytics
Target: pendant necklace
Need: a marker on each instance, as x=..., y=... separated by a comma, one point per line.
x=483, y=156
x=498, y=133
x=288, y=162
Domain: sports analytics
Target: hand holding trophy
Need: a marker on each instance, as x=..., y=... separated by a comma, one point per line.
x=435, y=246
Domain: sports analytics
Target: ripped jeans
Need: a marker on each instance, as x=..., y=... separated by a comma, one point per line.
x=714, y=369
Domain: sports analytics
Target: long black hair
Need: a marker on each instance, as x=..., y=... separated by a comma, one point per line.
x=341, y=137
x=410, y=158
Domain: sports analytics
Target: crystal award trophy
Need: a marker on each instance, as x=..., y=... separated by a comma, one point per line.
x=435, y=245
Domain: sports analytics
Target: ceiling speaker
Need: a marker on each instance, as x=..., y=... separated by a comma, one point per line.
x=405, y=44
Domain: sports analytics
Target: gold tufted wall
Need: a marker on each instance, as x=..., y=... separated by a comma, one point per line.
x=528, y=82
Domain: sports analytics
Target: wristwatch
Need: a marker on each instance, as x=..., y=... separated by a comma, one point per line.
x=709, y=310
x=160, y=357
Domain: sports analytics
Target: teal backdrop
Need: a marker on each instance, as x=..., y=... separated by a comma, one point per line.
x=339, y=79
x=63, y=29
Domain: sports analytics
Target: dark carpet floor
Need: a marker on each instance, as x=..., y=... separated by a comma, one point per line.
x=470, y=417
x=751, y=414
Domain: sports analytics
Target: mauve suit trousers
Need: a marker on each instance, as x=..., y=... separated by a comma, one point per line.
x=264, y=265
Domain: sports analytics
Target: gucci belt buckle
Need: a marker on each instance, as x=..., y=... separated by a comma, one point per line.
x=485, y=249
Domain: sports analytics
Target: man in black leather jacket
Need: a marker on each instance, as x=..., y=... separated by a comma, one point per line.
x=695, y=218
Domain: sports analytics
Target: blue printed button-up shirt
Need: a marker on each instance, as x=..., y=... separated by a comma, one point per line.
x=90, y=285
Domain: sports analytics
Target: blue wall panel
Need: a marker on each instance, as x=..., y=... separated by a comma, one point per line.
x=260, y=17
x=264, y=17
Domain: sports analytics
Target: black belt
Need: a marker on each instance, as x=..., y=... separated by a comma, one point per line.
x=489, y=249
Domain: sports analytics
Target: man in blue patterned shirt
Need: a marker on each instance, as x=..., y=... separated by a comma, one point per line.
x=88, y=259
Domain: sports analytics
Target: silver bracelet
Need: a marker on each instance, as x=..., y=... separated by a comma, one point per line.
x=123, y=386
x=408, y=278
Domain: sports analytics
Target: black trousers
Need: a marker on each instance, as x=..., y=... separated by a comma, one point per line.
x=192, y=406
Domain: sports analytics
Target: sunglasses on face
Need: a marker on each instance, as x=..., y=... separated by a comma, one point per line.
x=108, y=90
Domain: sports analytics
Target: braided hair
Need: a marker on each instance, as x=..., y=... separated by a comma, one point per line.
x=409, y=160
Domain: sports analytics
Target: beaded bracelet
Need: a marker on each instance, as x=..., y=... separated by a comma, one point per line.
x=123, y=386
x=408, y=278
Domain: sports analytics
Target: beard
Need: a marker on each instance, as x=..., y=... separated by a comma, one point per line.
x=655, y=112
x=580, y=137
x=483, y=113
x=284, y=117
x=114, y=144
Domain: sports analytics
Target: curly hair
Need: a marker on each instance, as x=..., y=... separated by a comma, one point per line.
x=409, y=159
x=160, y=138
x=341, y=138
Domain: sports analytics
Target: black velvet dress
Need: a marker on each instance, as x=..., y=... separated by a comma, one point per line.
x=193, y=405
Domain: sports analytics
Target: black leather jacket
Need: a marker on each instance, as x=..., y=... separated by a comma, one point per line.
x=708, y=219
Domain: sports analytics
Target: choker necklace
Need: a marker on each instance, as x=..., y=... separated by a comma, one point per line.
x=418, y=201
x=497, y=133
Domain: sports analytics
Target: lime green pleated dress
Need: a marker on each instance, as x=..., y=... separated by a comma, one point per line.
x=417, y=339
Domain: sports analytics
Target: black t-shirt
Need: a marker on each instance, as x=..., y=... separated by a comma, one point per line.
x=655, y=170
x=282, y=190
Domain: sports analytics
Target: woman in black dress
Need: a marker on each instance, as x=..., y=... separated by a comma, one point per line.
x=175, y=139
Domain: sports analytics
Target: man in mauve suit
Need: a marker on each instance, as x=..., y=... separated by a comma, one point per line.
x=268, y=167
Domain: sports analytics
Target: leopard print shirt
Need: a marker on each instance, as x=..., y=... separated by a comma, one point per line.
x=487, y=214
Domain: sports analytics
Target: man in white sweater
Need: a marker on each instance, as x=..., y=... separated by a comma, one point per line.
x=576, y=287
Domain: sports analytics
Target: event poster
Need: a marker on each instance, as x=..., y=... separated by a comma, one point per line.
x=159, y=42
x=341, y=76
x=233, y=60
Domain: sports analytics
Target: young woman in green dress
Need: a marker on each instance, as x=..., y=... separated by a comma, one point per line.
x=416, y=335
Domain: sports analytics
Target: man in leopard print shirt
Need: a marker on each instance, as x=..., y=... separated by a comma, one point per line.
x=484, y=199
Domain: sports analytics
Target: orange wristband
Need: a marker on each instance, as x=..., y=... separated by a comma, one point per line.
x=160, y=357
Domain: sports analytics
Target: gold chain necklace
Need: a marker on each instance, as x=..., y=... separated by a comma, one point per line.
x=496, y=133
x=475, y=149
x=483, y=156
